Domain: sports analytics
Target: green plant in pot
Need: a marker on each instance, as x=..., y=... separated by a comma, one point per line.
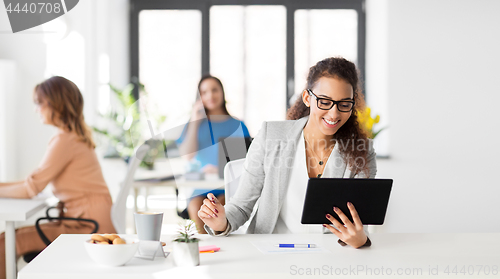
x=185, y=248
x=124, y=128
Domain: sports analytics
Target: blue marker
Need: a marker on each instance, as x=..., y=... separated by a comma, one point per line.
x=296, y=245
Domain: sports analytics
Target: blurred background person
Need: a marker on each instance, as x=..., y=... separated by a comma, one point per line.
x=199, y=140
x=70, y=164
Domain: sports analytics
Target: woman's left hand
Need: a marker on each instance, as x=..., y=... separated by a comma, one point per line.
x=352, y=234
x=209, y=168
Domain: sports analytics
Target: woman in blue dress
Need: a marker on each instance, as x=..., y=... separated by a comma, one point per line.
x=199, y=140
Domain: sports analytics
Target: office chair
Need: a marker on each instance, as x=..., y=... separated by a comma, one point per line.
x=119, y=207
x=30, y=256
x=184, y=214
x=232, y=174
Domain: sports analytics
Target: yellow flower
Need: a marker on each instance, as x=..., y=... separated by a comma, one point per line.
x=367, y=122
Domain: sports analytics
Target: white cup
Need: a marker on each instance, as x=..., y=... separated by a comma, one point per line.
x=148, y=225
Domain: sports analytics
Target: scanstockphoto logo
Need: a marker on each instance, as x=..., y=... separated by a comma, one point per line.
x=26, y=14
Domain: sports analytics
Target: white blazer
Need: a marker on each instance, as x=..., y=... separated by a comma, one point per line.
x=266, y=174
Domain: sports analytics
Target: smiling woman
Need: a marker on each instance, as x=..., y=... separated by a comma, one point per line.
x=322, y=138
x=335, y=79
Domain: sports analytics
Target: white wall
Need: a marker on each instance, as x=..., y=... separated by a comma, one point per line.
x=7, y=107
x=27, y=51
x=103, y=25
x=442, y=89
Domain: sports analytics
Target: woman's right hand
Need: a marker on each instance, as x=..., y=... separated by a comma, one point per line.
x=198, y=111
x=213, y=214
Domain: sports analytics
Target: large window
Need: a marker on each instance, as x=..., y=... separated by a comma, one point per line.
x=248, y=53
x=261, y=50
x=323, y=33
x=170, y=59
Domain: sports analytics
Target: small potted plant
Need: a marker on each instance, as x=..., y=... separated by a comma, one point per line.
x=185, y=248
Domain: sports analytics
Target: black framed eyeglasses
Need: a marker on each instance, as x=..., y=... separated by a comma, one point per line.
x=327, y=104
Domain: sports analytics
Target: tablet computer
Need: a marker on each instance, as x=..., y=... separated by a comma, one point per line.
x=369, y=196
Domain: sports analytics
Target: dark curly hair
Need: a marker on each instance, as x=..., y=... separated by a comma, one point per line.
x=354, y=141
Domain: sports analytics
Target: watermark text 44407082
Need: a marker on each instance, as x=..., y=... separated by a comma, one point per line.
x=26, y=14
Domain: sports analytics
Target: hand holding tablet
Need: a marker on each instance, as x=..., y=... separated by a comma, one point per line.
x=350, y=233
x=334, y=199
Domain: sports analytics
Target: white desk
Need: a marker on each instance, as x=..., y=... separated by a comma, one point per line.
x=417, y=255
x=12, y=210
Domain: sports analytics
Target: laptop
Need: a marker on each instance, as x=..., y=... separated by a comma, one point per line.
x=370, y=197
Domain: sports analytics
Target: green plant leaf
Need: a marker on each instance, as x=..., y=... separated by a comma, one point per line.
x=376, y=133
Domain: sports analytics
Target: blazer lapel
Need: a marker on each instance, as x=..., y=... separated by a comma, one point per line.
x=288, y=149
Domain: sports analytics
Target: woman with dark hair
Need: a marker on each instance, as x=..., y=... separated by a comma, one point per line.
x=199, y=140
x=70, y=164
x=322, y=138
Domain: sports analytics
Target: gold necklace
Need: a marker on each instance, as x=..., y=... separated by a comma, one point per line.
x=320, y=162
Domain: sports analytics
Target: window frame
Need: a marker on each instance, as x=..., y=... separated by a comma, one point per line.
x=136, y=6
